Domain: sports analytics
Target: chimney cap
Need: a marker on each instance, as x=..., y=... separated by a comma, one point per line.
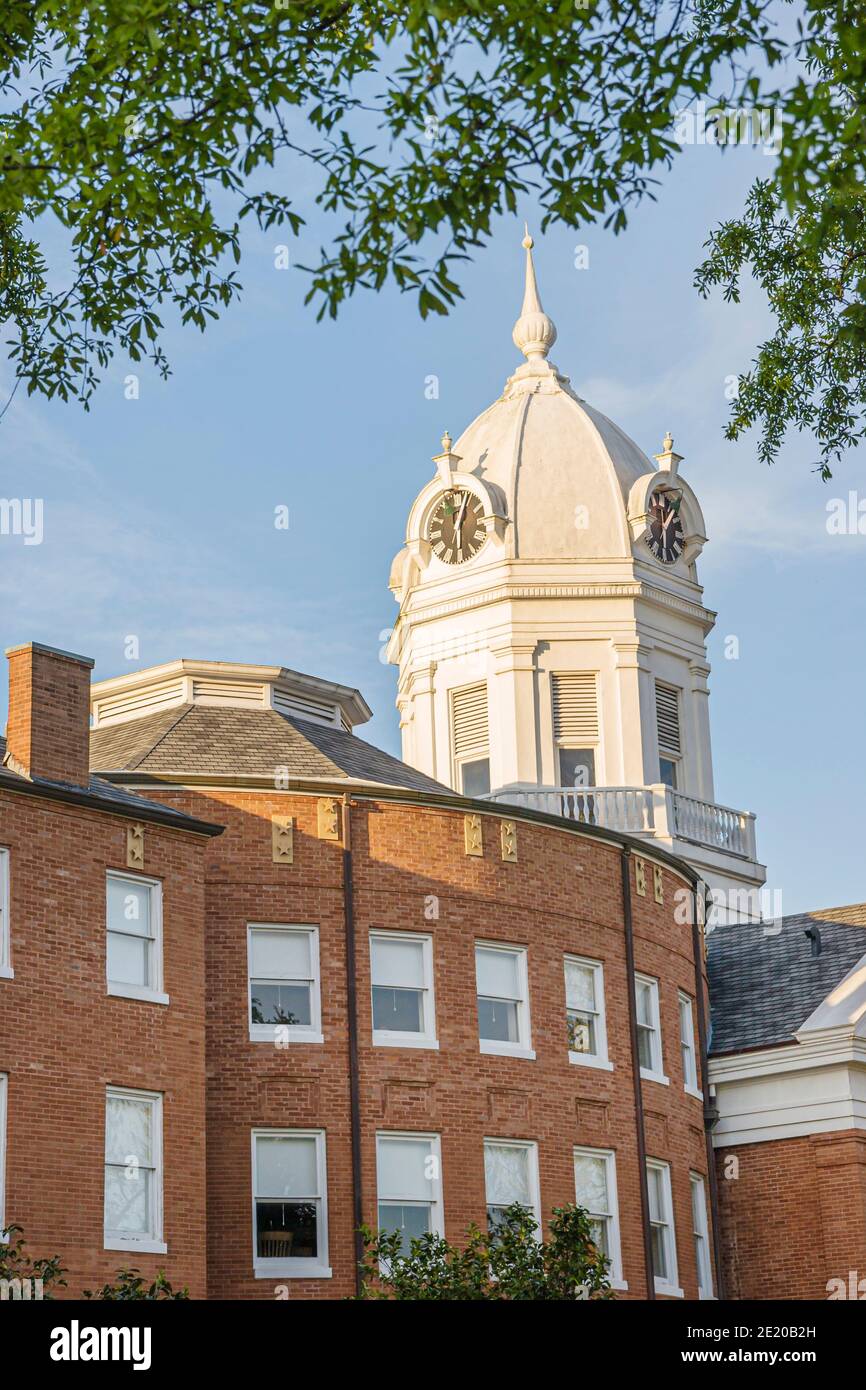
x=51, y=651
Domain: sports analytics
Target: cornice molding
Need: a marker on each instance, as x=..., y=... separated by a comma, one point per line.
x=510, y=592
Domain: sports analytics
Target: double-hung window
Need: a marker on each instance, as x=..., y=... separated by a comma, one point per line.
x=663, y=1238
x=510, y=1176
x=503, y=999
x=290, y=1208
x=134, y=937
x=649, y=1033
x=595, y=1191
x=133, y=1171
x=4, y=1092
x=701, y=1236
x=687, y=1046
x=409, y=1183
x=584, y=1007
x=5, y=949
x=284, y=994
x=401, y=969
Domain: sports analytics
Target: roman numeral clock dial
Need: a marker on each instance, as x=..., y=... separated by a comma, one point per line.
x=455, y=530
x=664, y=533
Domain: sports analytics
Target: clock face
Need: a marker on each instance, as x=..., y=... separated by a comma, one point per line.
x=455, y=529
x=664, y=533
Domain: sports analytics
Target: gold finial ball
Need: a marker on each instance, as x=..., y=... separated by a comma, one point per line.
x=668, y=442
x=528, y=243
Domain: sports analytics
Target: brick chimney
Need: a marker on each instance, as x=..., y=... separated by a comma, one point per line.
x=48, y=731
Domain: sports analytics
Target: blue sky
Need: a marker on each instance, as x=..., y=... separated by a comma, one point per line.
x=159, y=511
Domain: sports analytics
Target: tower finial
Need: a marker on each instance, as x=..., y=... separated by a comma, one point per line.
x=534, y=332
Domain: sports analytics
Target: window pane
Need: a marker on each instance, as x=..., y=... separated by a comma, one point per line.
x=398, y=1010
x=286, y=1166
x=685, y=1021
x=404, y=1169
x=128, y=1201
x=576, y=767
x=497, y=1021
x=645, y=1048
x=127, y=959
x=579, y=986
x=128, y=1130
x=660, y=1252
x=397, y=962
x=497, y=972
x=129, y=906
x=287, y=1230
x=506, y=1174
x=581, y=1033
x=475, y=777
x=655, y=1181
x=590, y=1180
x=668, y=772
x=410, y=1221
x=287, y=1004
x=279, y=955
x=643, y=995
x=599, y=1230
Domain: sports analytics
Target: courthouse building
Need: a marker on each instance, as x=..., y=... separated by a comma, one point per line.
x=261, y=982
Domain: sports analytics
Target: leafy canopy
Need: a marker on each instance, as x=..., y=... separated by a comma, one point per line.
x=145, y=131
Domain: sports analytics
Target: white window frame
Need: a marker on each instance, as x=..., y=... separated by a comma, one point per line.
x=531, y=1146
x=279, y=1033
x=154, y=1242
x=152, y=993
x=667, y=1286
x=615, y=1254
x=384, y=1037
x=437, y=1206
x=599, y=1058
x=4, y=1110
x=687, y=1045
x=701, y=1232
x=494, y=1046
x=304, y=1268
x=656, y=1071
x=6, y=971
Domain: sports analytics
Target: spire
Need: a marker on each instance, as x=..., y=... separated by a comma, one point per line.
x=534, y=332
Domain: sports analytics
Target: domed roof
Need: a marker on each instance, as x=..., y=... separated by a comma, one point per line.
x=565, y=469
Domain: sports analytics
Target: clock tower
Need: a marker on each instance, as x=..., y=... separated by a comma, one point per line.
x=551, y=636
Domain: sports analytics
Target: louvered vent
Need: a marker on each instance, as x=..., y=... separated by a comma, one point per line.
x=317, y=711
x=469, y=720
x=115, y=709
x=668, y=718
x=575, y=709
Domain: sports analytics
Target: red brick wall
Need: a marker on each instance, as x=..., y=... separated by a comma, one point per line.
x=63, y=1040
x=793, y=1215
x=49, y=713
x=563, y=895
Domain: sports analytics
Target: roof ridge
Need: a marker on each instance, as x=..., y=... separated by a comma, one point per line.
x=136, y=763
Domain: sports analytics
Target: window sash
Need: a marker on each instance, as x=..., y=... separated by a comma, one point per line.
x=145, y=1168
x=648, y=1024
x=5, y=950
x=310, y=1207
x=307, y=980
x=663, y=1239
x=414, y=977
x=687, y=1043
x=133, y=957
x=582, y=1020
x=700, y=1231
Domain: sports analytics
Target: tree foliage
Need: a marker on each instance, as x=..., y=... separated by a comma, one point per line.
x=16, y=1264
x=142, y=133
x=131, y=1287
x=513, y=1264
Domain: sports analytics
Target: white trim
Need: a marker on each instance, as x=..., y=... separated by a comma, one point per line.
x=278, y=1033
x=153, y=991
x=4, y=1110
x=685, y=1002
x=814, y=1086
x=656, y=1071
x=153, y=1241
x=531, y=1146
x=302, y=1268
x=523, y=1046
x=437, y=1203
x=6, y=971
x=696, y=1181
x=667, y=1286
x=383, y=1037
x=599, y=1058
x=615, y=1251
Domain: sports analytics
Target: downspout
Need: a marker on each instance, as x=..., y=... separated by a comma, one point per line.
x=711, y=1114
x=625, y=860
x=352, y=1019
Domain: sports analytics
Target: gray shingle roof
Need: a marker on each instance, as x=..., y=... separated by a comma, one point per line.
x=764, y=984
x=201, y=739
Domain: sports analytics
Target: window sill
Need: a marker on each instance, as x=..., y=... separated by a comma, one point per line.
x=621, y=1285
x=658, y=1077
x=706, y=1297
x=585, y=1059
x=405, y=1040
x=691, y=1091
x=267, y=1033
x=6, y=972
x=144, y=996
x=140, y=1247
x=284, y=1270
x=498, y=1049
x=670, y=1290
